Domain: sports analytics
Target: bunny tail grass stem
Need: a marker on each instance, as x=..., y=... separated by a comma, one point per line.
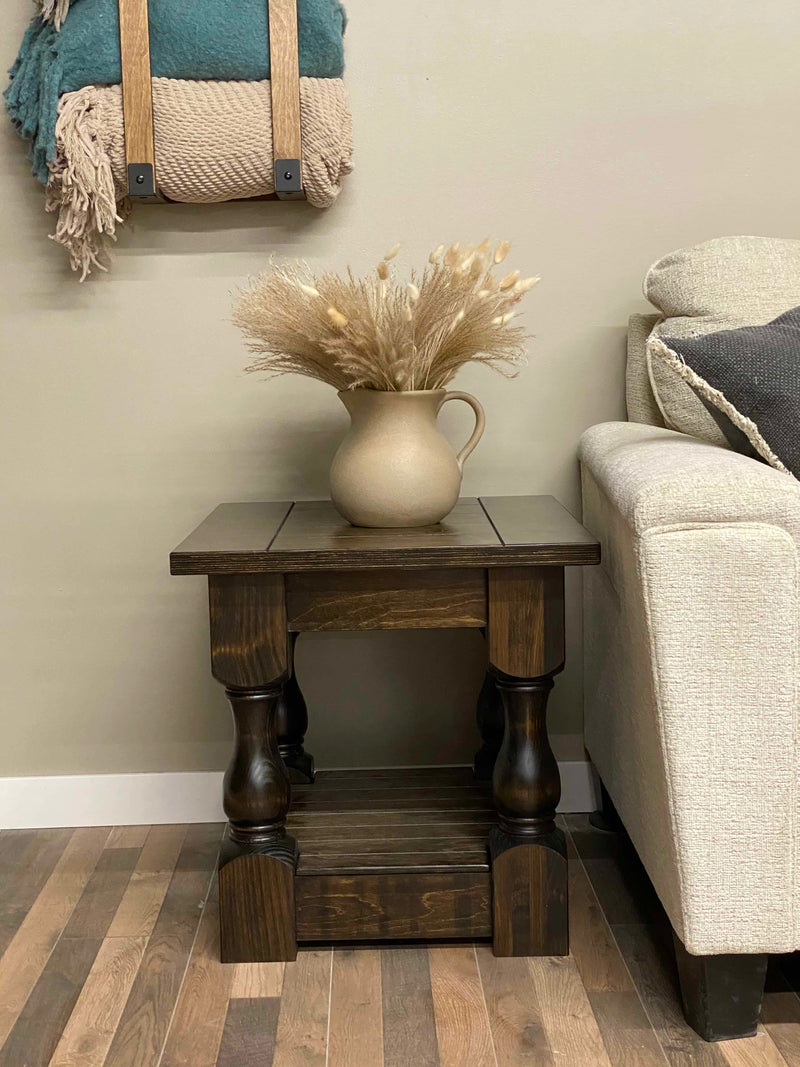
x=381, y=333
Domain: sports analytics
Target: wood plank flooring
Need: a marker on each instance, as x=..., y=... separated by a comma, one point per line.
x=110, y=955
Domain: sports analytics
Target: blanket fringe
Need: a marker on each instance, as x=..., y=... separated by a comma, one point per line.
x=81, y=185
x=54, y=11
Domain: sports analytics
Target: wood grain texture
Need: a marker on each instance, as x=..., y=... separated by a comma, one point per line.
x=780, y=1014
x=127, y=836
x=137, y=97
x=257, y=910
x=303, y=1020
x=386, y=600
x=285, y=79
x=236, y=532
x=515, y=1017
x=409, y=1025
x=529, y=893
x=623, y=1022
x=571, y=1027
x=393, y=906
x=624, y=892
x=426, y=1008
x=103, y=893
x=625, y=1029
x=200, y=1014
x=28, y=953
x=462, y=1024
x=142, y=1030
x=257, y=980
x=249, y=645
x=356, y=1028
x=597, y=956
x=87, y=1036
x=649, y=957
x=39, y=1026
x=248, y=1039
x=526, y=620
x=256, y=788
x=27, y=861
x=757, y=1051
x=234, y=540
x=526, y=520
x=144, y=894
x=315, y=531
x=162, y=848
x=526, y=784
x=139, y=908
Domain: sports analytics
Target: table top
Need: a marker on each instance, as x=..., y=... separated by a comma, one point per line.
x=311, y=535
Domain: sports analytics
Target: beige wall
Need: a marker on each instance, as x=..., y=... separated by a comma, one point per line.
x=598, y=136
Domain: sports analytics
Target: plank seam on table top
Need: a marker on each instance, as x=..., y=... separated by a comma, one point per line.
x=491, y=521
x=498, y=553
x=281, y=525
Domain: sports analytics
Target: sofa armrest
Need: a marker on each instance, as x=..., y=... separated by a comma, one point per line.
x=692, y=702
x=657, y=477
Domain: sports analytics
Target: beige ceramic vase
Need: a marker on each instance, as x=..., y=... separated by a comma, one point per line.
x=395, y=467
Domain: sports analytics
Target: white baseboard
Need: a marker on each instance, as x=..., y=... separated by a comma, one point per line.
x=172, y=797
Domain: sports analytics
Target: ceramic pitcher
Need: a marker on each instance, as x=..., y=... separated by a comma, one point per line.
x=395, y=467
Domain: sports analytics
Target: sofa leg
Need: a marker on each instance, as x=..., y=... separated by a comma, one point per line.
x=606, y=818
x=721, y=994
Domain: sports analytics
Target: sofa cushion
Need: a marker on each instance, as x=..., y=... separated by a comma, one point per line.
x=749, y=379
x=722, y=284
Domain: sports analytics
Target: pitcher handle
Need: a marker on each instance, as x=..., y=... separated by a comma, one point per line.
x=480, y=423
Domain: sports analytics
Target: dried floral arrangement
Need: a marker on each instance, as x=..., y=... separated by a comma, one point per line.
x=382, y=333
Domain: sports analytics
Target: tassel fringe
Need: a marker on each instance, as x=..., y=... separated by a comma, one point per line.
x=81, y=185
x=54, y=11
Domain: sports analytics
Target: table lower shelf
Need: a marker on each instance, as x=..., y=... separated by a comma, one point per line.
x=393, y=855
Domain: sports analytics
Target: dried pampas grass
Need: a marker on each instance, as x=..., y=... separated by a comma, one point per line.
x=379, y=333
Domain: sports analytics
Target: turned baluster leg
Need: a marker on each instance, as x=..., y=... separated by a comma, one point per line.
x=527, y=850
x=292, y=722
x=249, y=655
x=491, y=724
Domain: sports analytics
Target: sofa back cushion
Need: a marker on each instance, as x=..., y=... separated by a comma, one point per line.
x=722, y=284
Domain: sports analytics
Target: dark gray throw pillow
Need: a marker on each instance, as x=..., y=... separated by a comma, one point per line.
x=750, y=381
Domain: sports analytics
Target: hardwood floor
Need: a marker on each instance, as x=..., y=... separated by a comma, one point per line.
x=110, y=955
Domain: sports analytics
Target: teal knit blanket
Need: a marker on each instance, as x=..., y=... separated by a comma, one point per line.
x=215, y=40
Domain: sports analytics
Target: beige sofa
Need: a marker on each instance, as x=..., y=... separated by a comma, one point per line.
x=692, y=672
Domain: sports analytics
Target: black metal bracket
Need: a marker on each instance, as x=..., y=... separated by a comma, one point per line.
x=289, y=180
x=141, y=181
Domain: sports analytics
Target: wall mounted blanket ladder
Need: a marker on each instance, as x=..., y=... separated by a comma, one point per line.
x=137, y=100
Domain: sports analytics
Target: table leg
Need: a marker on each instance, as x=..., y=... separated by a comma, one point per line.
x=527, y=850
x=491, y=724
x=249, y=655
x=292, y=722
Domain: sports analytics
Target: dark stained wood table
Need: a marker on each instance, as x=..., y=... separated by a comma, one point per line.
x=422, y=854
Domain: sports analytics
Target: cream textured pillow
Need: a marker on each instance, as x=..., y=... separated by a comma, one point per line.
x=722, y=284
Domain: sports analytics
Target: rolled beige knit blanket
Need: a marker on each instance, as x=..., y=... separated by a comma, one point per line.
x=213, y=142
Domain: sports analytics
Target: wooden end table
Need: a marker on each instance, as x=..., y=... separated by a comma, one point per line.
x=421, y=854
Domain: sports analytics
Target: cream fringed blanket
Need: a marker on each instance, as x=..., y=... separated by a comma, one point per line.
x=213, y=143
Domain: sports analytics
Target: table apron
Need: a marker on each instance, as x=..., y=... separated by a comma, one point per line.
x=386, y=600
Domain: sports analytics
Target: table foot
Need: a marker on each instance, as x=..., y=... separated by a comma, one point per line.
x=257, y=901
x=529, y=888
